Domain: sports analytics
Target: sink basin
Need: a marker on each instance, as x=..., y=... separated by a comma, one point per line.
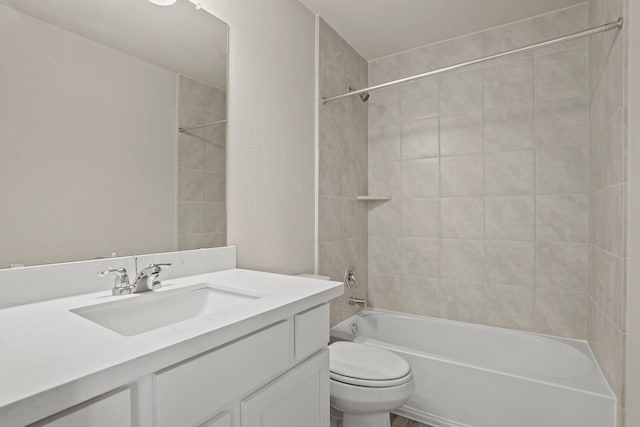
x=153, y=310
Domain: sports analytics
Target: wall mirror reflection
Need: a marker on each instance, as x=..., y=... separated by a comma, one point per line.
x=112, y=129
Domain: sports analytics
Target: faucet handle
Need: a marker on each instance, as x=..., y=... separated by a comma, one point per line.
x=149, y=274
x=154, y=268
x=121, y=285
x=120, y=273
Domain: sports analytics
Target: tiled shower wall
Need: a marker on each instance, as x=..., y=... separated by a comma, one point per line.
x=608, y=150
x=342, y=220
x=488, y=170
x=202, y=213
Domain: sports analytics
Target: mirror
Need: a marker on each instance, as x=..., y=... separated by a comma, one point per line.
x=112, y=129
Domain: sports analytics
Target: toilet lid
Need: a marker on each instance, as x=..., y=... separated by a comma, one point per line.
x=354, y=363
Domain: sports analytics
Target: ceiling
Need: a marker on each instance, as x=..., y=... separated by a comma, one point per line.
x=377, y=28
x=178, y=37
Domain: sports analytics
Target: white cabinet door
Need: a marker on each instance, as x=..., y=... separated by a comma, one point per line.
x=298, y=398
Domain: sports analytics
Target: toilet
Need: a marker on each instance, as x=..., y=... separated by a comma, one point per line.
x=367, y=383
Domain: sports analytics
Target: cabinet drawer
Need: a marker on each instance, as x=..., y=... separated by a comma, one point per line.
x=311, y=331
x=191, y=392
x=113, y=409
x=222, y=420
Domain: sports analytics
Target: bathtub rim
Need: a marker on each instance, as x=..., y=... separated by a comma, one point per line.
x=341, y=335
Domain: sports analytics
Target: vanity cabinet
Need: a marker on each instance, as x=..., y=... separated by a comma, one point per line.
x=198, y=388
x=277, y=376
x=298, y=398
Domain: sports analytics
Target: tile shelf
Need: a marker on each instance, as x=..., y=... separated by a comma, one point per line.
x=374, y=198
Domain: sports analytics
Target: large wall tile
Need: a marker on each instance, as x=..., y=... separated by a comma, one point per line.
x=385, y=255
x=510, y=218
x=607, y=285
x=385, y=179
x=510, y=263
x=191, y=185
x=561, y=75
x=509, y=172
x=330, y=132
x=423, y=296
x=461, y=134
x=509, y=306
x=420, y=217
x=563, y=122
x=462, y=218
x=384, y=143
x=562, y=266
x=421, y=178
x=560, y=313
x=330, y=181
x=420, y=257
x=463, y=301
x=384, y=107
x=419, y=99
x=562, y=170
x=509, y=129
x=563, y=218
x=384, y=218
x=462, y=175
x=420, y=138
x=461, y=92
x=329, y=219
x=462, y=260
x=508, y=84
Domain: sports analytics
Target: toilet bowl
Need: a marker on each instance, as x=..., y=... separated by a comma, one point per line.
x=367, y=383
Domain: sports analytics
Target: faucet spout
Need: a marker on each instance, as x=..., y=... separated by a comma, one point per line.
x=147, y=278
x=358, y=301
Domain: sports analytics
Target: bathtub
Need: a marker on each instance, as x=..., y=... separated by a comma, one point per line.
x=471, y=375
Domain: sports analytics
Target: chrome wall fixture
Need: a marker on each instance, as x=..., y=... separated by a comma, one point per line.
x=204, y=125
x=606, y=27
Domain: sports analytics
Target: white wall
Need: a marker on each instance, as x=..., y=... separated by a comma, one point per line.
x=270, y=155
x=82, y=176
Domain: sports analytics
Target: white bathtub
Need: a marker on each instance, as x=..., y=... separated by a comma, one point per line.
x=481, y=376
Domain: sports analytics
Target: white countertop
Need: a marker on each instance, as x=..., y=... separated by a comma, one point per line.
x=51, y=358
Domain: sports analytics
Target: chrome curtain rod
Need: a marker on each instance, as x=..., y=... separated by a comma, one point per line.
x=187, y=129
x=606, y=27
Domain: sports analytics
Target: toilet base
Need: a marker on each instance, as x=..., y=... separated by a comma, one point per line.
x=379, y=419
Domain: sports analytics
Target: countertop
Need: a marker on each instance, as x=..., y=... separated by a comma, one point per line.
x=52, y=358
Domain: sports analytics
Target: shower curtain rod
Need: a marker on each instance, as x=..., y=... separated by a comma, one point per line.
x=606, y=27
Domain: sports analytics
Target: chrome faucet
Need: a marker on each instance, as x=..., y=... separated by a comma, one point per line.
x=146, y=280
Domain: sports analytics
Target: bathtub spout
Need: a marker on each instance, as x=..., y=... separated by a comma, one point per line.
x=358, y=301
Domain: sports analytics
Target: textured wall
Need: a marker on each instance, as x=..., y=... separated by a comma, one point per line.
x=342, y=173
x=270, y=133
x=488, y=169
x=202, y=216
x=608, y=186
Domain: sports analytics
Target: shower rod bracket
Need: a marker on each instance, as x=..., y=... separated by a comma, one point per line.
x=613, y=25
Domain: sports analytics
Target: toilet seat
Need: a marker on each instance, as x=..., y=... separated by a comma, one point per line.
x=367, y=366
x=362, y=382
